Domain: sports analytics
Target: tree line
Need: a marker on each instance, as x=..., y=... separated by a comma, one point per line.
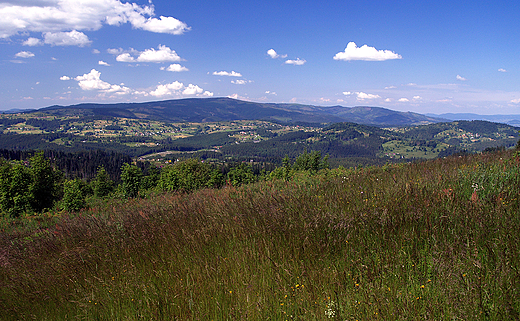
x=36, y=185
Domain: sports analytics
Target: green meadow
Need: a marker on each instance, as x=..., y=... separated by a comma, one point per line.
x=432, y=240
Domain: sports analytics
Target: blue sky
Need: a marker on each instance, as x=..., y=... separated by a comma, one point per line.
x=421, y=56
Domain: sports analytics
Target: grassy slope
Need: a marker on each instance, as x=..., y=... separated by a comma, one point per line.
x=433, y=240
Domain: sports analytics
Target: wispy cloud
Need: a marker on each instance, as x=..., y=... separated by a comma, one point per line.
x=241, y=82
x=225, y=73
x=366, y=53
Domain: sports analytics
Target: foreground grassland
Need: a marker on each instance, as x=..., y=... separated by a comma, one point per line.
x=437, y=240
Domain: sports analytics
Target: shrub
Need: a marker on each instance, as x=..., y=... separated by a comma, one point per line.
x=102, y=184
x=131, y=176
x=74, y=193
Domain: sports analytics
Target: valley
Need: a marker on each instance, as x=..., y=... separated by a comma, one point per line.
x=254, y=139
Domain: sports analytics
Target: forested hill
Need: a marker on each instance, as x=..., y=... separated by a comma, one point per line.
x=225, y=109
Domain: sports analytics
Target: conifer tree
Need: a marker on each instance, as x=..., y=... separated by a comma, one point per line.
x=131, y=176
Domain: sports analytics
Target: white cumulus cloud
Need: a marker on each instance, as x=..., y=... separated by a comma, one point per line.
x=92, y=81
x=403, y=100
x=24, y=54
x=459, y=77
x=353, y=52
x=64, y=78
x=161, y=25
x=125, y=57
x=103, y=63
x=192, y=90
x=363, y=96
x=175, y=68
x=177, y=88
x=297, y=62
x=502, y=70
x=17, y=16
x=273, y=54
x=72, y=38
x=516, y=101
x=168, y=89
x=225, y=73
x=162, y=54
x=31, y=42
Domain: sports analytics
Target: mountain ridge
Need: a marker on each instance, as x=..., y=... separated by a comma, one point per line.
x=511, y=119
x=225, y=109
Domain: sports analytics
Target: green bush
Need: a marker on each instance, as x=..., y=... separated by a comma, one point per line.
x=131, y=176
x=15, y=197
x=74, y=194
x=102, y=184
x=241, y=174
x=45, y=184
x=28, y=186
x=189, y=175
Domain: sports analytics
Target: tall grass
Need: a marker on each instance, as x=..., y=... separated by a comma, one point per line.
x=434, y=240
